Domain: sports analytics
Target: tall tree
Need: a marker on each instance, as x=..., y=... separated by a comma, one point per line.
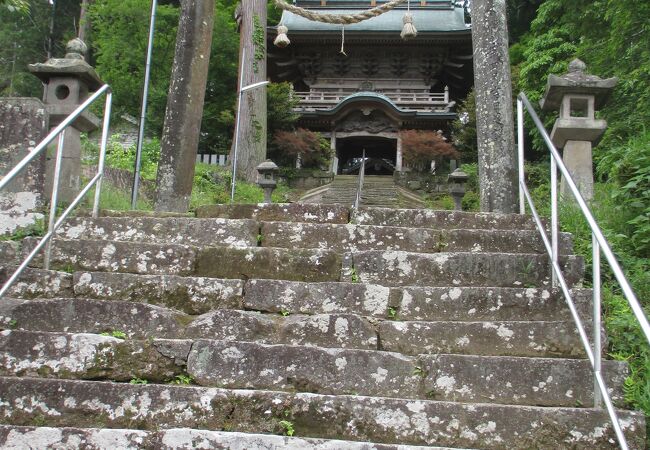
x=252, y=132
x=494, y=121
x=184, y=106
x=84, y=20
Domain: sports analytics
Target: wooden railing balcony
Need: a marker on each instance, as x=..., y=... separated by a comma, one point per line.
x=409, y=101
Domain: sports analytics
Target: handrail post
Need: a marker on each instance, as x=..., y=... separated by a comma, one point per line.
x=102, y=152
x=520, y=150
x=362, y=173
x=554, y=219
x=54, y=198
x=598, y=351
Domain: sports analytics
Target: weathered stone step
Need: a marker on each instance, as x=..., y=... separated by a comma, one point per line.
x=252, y=365
x=78, y=315
x=58, y=403
x=517, y=380
x=311, y=265
x=16, y=437
x=488, y=303
x=175, y=259
x=191, y=295
x=186, y=231
x=473, y=379
x=116, y=256
x=284, y=212
x=425, y=218
x=81, y=316
x=398, y=268
x=499, y=338
x=413, y=303
x=248, y=365
x=91, y=356
x=360, y=237
x=38, y=283
x=199, y=295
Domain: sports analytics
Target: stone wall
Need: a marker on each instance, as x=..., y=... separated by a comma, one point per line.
x=310, y=179
x=422, y=182
x=23, y=124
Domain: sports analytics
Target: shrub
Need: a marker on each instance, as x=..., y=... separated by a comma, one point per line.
x=311, y=147
x=420, y=147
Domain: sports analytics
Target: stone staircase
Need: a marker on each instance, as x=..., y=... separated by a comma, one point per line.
x=378, y=190
x=299, y=327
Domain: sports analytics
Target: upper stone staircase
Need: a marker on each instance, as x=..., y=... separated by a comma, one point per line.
x=378, y=190
x=370, y=329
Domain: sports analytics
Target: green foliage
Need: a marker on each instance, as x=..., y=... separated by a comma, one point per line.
x=464, y=129
x=117, y=199
x=121, y=158
x=629, y=167
x=116, y=334
x=120, y=30
x=182, y=379
x=120, y=35
x=24, y=40
x=139, y=381
x=259, y=41
x=288, y=428
x=618, y=201
x=36, y=229
x=593, y=31
x=471, y=201
x=19, y=6
x=280, y=103
x=440, y=202
x=212, y=185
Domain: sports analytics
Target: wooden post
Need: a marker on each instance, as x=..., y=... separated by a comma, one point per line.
x=252, y=132
x=182, y=125
x=497, y=157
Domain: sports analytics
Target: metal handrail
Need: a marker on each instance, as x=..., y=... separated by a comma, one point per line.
x=362, y=174
x=53, y=222
x=599, y=244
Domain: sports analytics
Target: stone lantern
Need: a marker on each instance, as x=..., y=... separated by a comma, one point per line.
x=577, y=95
x=457, y=187
x=69, y=81
x=266, y=180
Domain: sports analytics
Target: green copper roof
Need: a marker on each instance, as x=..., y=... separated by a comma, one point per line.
x=425, y=20
x=415, y=4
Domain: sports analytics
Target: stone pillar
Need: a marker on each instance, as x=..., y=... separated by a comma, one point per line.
x=182, y=127
x=577, y=95
x=497, y=156
x=23, y=124
x=69, y=82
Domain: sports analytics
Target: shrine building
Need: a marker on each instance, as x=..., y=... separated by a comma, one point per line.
x=360, y=84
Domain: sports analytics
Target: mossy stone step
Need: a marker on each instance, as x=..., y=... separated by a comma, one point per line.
x=65, y=403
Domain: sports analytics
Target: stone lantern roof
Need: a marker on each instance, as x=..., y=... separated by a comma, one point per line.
x=72, y=65
x=576, y=82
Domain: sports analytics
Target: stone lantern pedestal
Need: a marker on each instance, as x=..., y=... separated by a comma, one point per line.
x=577, y=95
x=69, y=81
